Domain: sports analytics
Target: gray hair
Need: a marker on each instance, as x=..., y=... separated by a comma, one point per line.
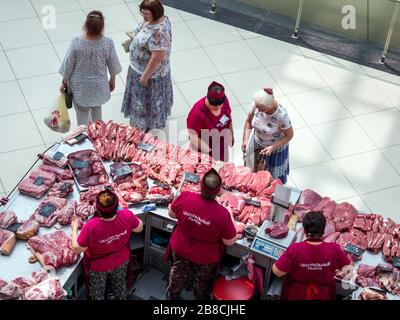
x=263, y=98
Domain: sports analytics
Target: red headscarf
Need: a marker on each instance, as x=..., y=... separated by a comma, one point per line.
x=216, y=95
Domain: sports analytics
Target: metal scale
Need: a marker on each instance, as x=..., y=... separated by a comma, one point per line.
x=284, y=198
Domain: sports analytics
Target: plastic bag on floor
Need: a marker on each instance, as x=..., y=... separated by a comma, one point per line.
x=58, y=118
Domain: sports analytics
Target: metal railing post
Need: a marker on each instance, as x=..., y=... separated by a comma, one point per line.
x=295, y=34
x=390, y=32
x=213, y=9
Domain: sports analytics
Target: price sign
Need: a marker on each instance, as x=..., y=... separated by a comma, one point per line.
x=38, y=181
x=79, y=164
x=47, y=210
x=396, y=262
x=14, y=227
x=145, y=146
x=253, y=202
x=58, y=156
x=123, y=171
x=352, y=249
x=191, y=177
x=80, y=137
x=160, y=184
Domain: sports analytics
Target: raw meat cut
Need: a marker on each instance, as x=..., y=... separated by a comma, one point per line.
x=329, y=229
x=333, y=237
x=375, y=241
x=344, y=216
x=62, y=174
x=53, y=249
x=51, y=203
x=73, y=134
x=87, y=167
x=37, y=184
x=33, y=279
x=278, y=230
x=310, y=198
x=7, y=219
x=367, y=282
x=61, y=189
x=49, y=289
x=301, y=210
x=352, y=238
x=27, y=230
x=9, y=290
x=240, y=229
x=366, y=270
x=47, y=159
x=84, y=210
x=7, y=242
x=235, y=202
x=160, y=195
x=368, y=294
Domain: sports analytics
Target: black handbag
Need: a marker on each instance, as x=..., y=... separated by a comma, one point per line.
x=68, y=97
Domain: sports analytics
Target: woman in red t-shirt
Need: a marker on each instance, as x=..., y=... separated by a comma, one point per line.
x=209, y=124
x=310, y=265
x=105, y=242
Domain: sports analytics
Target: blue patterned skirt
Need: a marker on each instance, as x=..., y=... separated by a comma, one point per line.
x=278, y=163
x=150, y=106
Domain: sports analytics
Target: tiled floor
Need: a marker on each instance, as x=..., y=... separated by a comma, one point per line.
x=346, y=116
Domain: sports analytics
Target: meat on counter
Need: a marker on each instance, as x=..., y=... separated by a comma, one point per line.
x=7, y=219
x=37, y=184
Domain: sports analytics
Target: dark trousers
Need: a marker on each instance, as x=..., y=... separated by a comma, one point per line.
x=117, y=279
x=203, y=278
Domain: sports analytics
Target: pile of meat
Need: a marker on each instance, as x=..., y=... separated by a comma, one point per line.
x=241, y=178
x=88, y=168
x=37, y=184
x=7, y=219
x=132, y=188
x=53, y=250
x=160, y=195
x=49, y=289
x=26, y=230
x=48, y=211
x=387, y=278
x=346, y=226
x=49, y=160
x=7, y=242
x=369, y=294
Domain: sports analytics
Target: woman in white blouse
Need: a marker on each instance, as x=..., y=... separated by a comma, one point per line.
x=266, y=136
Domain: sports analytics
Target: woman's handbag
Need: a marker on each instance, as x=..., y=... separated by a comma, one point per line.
x=127, y=43
x=68, y=97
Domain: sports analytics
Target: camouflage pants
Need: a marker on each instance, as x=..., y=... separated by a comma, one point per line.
x=118, y=282
x=203, y=278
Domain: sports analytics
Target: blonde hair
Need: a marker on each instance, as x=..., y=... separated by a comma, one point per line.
x=262, y=98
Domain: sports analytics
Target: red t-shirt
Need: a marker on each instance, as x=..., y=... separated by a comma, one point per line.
x=202, y=224
x=108, y=241
x=305, y=264
x=202, y=121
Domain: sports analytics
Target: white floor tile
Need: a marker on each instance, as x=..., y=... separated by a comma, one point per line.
x=205, y=32
x=343, y=138
x=18, y=131
x=384, y=202
x=15, y=164
x=194, y=90
x=12, y=100
x=188, y=16
x=245, y=83
x=393, y=155
x=248, y=34
x=69, y=25
x=390, y=85
x=337, y=71
x=295, y=118
x=172, y=14
x=49, y=135
x=117, y=17
x=6, y=73
x=16, y=9
x=290, y=182
x=358, y=203
x=59, y=5
x=34, y=61
x=271, y=51
x=309, y=53
x=296, y=77
x=41, y=92
x=180, y=107
x=118, y=38
x=61, y=48
x=369, y=171
x=305, y=149
x=99, y=3
x=319, y=106
x=233, y=57
x=362, y=97
x=324, y=178
x=382, y=127
x=112, y=109
x=13, y=36
x=239, y=117
x=183, y=38
x=183, y=69
x=374, y=72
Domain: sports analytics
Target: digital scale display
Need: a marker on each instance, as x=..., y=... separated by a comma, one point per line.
x=267, y=248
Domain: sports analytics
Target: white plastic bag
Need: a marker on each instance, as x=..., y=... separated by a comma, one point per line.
x=58, y=117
